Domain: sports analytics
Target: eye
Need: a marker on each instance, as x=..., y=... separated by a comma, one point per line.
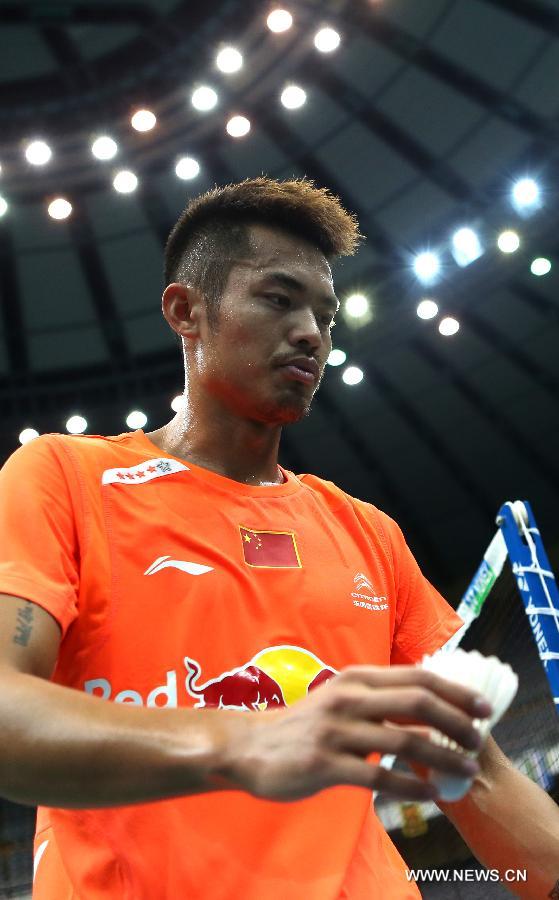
x=280, y=300
x=327, y=321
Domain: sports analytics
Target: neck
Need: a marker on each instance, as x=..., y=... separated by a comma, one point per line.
x=240, y=449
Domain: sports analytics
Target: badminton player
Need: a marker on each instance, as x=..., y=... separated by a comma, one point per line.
x=202, y=655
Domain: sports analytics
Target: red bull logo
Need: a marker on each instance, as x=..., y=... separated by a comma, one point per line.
x=275, y=677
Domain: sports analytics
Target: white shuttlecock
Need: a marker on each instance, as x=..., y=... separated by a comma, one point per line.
x=491, y=678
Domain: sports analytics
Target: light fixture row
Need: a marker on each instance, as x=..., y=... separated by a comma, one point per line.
x=466, y=244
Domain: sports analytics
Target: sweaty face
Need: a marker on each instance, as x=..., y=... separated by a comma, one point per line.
x=265, y=357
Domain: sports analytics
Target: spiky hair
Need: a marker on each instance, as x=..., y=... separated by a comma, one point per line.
x=213, y=229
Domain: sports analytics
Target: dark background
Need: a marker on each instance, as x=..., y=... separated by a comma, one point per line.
x=421, y=121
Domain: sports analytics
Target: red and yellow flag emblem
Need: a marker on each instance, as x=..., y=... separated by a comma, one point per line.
x=270, y=549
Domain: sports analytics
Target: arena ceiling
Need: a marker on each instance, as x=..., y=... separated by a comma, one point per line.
x=420, y=121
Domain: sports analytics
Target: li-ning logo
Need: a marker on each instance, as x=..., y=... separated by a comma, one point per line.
x=367, y=600
x=165, y=562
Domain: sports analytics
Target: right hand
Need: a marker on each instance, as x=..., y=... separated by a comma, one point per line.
x=325, y=739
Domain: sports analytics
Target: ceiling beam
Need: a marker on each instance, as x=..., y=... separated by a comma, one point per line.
x=11, y=307
x=412, y=50
x=427, y=164
x=513, y=434
x=100, y=290
x=538, y=14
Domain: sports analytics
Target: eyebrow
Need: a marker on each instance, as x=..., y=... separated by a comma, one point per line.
x=289, y=281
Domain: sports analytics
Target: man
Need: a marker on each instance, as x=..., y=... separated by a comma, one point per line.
x=185, y=568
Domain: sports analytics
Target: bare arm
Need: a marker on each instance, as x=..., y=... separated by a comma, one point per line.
x=510, y=823
x=64, y=748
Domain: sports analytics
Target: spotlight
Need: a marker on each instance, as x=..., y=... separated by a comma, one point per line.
x=540, y=266
x=508, y=241
x=448, y=326
x=238, y=126
x=526, y=195
x=38, y=153
x=229, y=60
x=279, y=20
x=104, y=147
x=352, y=375
x=427, y=309
x=27, y=435
x=59, y=208
x=76, y=425
x=466, y=247
x=187, y=168
x=204, y=98
x=426, y=266
x=136, y=419
x=326, y=40
x=336, y=358
x=293, y=96
x=124, y=182
x=356, y=306
x=143, y=120
x=3, y=207
x=178, y=403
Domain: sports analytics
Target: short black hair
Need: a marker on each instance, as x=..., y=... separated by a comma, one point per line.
x=214, y=229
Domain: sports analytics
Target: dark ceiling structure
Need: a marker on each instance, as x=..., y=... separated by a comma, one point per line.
x=420, y=121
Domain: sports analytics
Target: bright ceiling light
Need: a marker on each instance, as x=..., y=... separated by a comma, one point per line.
x=143, y=120
x=540, y=266
x=229, y=60
x=356, y=306
x=525, y=194
x=76, y=425
x=187, y=167
x=59, y=208
x=508, y=241
x=27, y=435
x=427, y=266
x=352, y=375
x=38, y=153
x=178, y=403
x=326, y=40
x=336, y=357
x=448, y=326
x=238, y=126
x=204, y=98
x=427, y=309
x=125, y=182
x=466, y=246
x=104, y=147
x=136, y=419
x=293, y=96
x=279, y=20
x=3, y=207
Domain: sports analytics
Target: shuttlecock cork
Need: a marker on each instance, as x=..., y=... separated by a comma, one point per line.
x=491, y=678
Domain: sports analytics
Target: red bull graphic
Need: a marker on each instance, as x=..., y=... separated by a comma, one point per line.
x=275, y=677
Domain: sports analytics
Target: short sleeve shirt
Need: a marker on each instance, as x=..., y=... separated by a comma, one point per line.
x=174, y=586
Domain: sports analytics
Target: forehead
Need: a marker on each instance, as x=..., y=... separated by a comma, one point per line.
x=273, y=249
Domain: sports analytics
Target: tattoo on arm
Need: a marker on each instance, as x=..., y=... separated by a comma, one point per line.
x=554, y=895
x=24, y=625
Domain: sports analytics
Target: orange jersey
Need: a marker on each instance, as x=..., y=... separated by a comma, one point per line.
x=175, y=586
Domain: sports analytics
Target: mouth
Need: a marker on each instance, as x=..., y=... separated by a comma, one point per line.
x=302, y=369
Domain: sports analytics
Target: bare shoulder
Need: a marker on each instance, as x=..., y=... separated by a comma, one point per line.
x=29, y=637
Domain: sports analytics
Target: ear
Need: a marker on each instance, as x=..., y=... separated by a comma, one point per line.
x=183, y=309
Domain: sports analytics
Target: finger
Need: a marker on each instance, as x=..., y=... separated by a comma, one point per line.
x=346, y=769
x=365, y=738
x=410, y=706
x=473, y=703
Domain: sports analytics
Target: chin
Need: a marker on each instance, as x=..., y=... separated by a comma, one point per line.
x=285, y=413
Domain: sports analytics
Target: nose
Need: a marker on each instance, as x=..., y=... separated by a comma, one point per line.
x=305, y=330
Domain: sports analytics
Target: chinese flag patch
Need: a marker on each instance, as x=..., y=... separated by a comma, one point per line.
x=270, y=549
